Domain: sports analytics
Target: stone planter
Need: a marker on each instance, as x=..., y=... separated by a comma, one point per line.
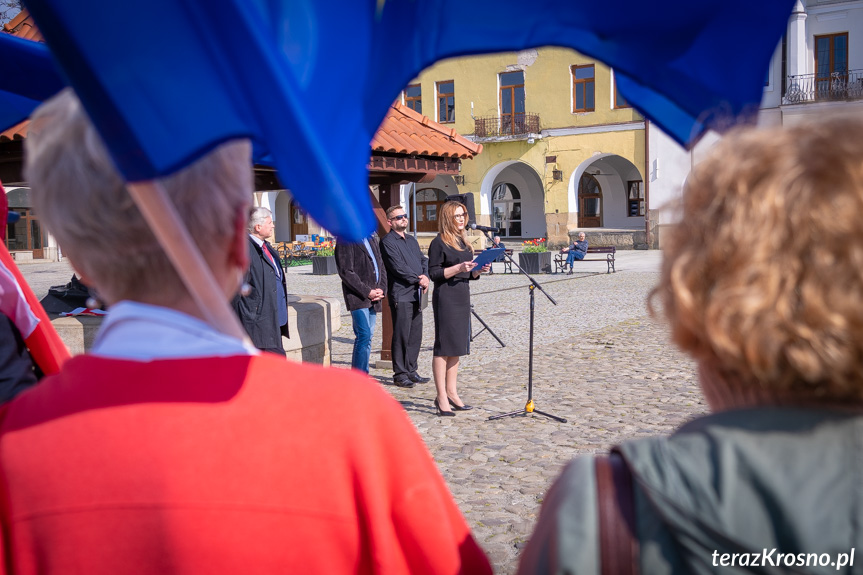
x=324, y=265
x=535, y=263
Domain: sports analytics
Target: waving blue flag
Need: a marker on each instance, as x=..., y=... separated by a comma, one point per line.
x=309, y=81
x=28, y=76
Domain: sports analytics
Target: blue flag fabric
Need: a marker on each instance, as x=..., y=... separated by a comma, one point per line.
x=309, y=81
x=28, y=76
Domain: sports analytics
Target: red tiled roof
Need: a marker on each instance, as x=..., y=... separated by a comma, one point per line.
x=22, y=26
x=16, y=132
x=404, y=131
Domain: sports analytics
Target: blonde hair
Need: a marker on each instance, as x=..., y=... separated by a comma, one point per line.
x=449, y=233
x=82, y=199
x=762, y=281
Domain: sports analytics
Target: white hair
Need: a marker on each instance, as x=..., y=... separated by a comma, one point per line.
x=258, y=216
x=82, y=199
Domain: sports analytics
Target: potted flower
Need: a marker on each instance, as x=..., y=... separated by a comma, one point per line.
x=535, y=257
x=324, y=260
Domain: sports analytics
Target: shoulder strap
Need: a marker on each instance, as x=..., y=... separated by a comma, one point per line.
x=618, y=544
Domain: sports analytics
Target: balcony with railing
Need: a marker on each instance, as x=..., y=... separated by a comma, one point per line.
x=508, y=127
x=837, y=86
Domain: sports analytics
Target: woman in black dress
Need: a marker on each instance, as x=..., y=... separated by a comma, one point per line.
x=450, y=268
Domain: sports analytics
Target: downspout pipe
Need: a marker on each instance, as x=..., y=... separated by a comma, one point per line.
x=647, y=183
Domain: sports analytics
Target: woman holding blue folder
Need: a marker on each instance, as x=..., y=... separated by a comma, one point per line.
x=451, y=267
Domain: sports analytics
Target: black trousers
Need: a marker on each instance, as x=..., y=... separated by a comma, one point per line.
x=407, y=336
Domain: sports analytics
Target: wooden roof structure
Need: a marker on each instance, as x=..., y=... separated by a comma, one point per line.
x=410, y=147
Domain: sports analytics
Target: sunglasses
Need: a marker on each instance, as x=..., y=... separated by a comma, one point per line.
x=401, y=217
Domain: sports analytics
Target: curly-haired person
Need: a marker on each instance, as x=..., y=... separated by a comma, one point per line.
x=762, y=284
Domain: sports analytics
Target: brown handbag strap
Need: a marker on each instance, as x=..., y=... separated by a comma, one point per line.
x=618, y=545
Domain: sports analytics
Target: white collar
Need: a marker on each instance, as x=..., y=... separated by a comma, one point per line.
x=143, y=332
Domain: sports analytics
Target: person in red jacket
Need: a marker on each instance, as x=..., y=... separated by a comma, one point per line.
x=174, y=448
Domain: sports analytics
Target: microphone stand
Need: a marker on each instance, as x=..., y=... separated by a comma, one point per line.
x=485, y=327
x=530, y=406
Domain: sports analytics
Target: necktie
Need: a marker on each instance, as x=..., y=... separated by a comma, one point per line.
x=269, y=256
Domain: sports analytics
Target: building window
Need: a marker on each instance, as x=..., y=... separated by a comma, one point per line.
x=582, y=88
x=619, y=100
x=414, y=98
x=446, y=102
x=831, y=65
x=512, y=103
x=635, y=200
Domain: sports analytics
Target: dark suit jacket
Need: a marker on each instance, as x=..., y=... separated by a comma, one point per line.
x=358, y=274
x=258, y=311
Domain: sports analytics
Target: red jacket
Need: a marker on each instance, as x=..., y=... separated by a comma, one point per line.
x=221, y=465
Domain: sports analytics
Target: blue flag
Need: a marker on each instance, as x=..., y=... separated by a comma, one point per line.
x=28, y=76
x=309, y=81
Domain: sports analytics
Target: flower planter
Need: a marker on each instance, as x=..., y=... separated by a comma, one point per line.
x=324, y=265
x=535, y=263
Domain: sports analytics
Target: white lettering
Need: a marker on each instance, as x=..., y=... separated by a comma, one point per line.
x=772, y=558
x=756, y=560
x=842, y=561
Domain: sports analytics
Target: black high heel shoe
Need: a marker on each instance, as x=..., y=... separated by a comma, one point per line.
x=457, y=407
x=442, y=413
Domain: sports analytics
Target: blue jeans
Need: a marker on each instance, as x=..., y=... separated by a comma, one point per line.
x=364, y=326
x=573, y=255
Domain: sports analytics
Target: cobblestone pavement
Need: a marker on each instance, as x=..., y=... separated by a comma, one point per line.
x=599, y=361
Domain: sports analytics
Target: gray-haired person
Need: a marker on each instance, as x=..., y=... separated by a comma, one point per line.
x=186, y=449
x=264, y=310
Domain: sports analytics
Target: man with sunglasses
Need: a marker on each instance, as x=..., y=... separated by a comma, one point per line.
x=407, y=279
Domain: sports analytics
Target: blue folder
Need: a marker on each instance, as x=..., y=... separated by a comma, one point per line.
x=487, y=256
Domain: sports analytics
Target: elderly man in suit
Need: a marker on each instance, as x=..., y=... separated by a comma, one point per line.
x=264, y=310
x=364, y=285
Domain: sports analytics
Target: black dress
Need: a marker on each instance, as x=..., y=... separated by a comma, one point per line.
x=450, y=300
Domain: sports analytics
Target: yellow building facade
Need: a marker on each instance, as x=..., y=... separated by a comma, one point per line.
x=562, y=150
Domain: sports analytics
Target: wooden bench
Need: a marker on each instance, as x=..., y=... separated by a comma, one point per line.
x=607, y=257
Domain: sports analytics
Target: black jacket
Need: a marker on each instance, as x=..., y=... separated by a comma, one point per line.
x=358, y=274
x=258, y=312
x=405, y=263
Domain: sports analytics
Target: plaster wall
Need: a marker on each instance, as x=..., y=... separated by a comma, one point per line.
x=547, y=84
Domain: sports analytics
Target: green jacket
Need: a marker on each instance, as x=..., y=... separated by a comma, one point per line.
x=744, y=482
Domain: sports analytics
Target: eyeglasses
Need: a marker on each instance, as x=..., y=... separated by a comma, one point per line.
x=401, y=217
x=459, y=216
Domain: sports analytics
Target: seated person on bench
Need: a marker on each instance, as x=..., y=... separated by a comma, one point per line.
x=576, y=251
x=499, y=244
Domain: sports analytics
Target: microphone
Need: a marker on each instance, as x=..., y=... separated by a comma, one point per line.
x=484, y=229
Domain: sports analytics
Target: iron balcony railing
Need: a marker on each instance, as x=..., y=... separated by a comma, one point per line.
x=509, y=125
x=824, y=88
